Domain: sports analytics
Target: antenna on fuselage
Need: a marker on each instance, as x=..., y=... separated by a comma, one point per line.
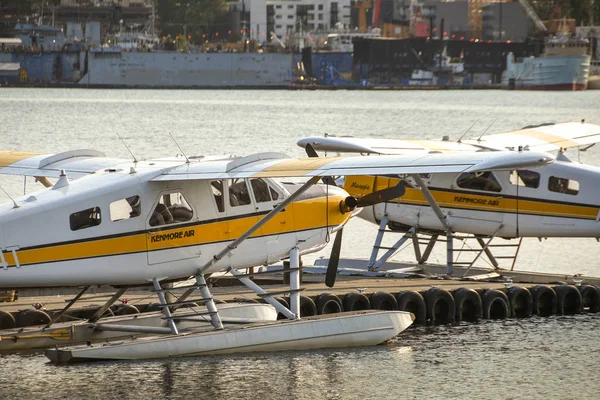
x=187, y=160
x=467, y=131
x=484, y=132
x=127, y=147
x=15, y=205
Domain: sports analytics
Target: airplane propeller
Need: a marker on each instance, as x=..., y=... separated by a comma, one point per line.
x=349, y=204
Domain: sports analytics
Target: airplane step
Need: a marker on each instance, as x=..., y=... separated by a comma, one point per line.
x=280, y=292
x=184, y=303
x=182, y=316
x=196, y=286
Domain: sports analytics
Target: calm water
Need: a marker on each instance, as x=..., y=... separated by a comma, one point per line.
x=536, y=358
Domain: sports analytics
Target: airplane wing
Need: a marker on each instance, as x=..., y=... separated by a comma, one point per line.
x=277, y=166
x=76, y=163
x=543, y=138
x=383, y=146
x=549, y=137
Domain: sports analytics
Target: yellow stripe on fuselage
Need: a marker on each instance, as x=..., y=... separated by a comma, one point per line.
x=299, y=216
x=11, y=157
x=362, y=185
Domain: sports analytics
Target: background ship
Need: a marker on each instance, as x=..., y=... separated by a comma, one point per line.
x=563, y=65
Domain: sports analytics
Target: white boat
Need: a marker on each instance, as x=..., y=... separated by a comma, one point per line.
x=357, y=328
x=563, y=65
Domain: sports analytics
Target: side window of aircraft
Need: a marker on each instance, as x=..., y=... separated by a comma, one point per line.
x=172, y=208
x=85, y=219
x=217, y=191
x=238, y=193
x=261, y=191
x=525, y=178
x=479, y=181
x=563, y=185
x=125, y=208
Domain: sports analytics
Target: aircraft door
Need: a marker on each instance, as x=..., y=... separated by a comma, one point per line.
x=279, y=234
x=241, y=210
x=170, y=237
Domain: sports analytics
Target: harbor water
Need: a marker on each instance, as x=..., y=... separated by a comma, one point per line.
x=556, y=357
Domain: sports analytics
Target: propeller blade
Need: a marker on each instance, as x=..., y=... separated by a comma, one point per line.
x=310, y=151
x=382, y=196
x=334, y=259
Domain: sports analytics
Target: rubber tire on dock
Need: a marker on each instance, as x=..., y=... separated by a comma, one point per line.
x=568, y=300
x=520, y=301
x=439, y=306
x=308, y=308
x=413, y=302
x=285, y=303
x=32, y=318
x=495, y=304
x=7, y=321
x=356, y=302
x=383, y=301
x=590, y=298
x=544, y=300
x=467, y=304
x=328, y=303
x=126, y=309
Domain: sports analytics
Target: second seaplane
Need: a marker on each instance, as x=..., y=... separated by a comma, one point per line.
x=558, y=200
x=117, y=222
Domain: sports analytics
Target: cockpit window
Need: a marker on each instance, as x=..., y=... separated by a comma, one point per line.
x=563, y=185
x=172, y=208
x=479, y=181
x=260, y=190
x=217, y=191
x=125, y=208
x=238, y=193
x=525, y=178
x=85, y=219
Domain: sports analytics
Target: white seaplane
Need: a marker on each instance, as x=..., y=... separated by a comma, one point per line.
x=562, y=199
x=123, y=223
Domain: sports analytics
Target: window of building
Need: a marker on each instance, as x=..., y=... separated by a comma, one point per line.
x=320, y=7
x=278, y=16
x=290, y=17
x=479, y=181
x=320, y=17
x=563, y=185
x=172, y=208
x=125, y=208
x=278, y=26
x=217, y=191
x=238, y=193
x=290, y=7
x=278, y=6
x=85, y=219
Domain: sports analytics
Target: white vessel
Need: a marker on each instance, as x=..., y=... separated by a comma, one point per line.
x=564, y=65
